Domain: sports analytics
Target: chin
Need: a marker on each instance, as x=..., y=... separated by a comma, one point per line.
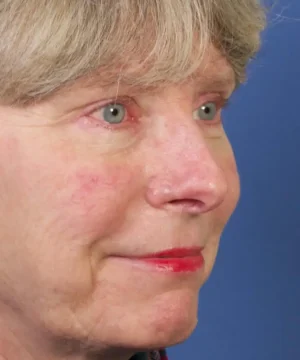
x=169, y=320
x=173, y=336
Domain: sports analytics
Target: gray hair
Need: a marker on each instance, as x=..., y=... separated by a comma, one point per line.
x=46, y=45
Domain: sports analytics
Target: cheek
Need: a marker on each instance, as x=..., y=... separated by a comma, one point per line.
x=224, y=211
x=96, y=200
x=225, y=159
x=233, y=185
x=69, y=201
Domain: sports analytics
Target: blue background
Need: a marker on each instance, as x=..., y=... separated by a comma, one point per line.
x=250, y=307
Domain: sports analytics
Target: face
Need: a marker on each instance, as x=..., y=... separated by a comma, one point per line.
x=87, y=181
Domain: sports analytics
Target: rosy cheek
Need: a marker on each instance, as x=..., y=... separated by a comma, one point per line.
x=88, y=184
x=97, y=200
x=8, y=145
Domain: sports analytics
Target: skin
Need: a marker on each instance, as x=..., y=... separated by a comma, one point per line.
x=74, y=193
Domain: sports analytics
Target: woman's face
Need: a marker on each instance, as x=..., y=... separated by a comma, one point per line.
x=82, y=186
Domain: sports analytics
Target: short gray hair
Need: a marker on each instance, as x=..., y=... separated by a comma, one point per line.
x=46, y=45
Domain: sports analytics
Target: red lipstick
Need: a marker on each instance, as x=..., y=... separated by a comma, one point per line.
x=175, y=260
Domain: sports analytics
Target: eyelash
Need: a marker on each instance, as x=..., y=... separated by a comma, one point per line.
x=133, y=114
x=222, y=103
x=126, y=102
x=225, y=103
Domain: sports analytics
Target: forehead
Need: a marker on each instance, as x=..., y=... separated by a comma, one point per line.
x=213, y=70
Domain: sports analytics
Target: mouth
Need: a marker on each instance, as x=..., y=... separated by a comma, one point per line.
x=175, y=253
x=177, y=260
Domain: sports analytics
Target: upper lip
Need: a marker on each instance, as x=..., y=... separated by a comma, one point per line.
x=181, y=252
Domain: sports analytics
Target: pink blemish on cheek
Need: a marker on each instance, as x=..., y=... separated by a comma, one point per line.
x=88, y=182
x=92, y=189
x=93, y=203
x=91, y=182
x=87, y=187
x=87, y=194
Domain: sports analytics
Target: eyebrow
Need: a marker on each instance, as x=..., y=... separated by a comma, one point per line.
x=224, y=80
x=207, y=78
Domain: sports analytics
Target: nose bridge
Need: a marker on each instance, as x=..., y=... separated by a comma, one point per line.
x=183, y=167
x=180, y=145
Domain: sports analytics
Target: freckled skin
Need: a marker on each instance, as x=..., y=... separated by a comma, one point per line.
x=70, y=199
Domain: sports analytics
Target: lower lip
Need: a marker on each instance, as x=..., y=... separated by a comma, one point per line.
x=177, y=265
x=170, y=265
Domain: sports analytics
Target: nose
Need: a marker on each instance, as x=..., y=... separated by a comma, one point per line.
x=183, y=175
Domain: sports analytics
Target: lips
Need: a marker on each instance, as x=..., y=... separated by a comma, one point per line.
x=175, y=253
x=175, y=260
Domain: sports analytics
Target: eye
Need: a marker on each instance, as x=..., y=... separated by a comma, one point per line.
x=113, y=113
x=207, y=112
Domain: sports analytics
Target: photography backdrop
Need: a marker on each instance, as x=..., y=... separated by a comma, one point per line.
x=250, y=307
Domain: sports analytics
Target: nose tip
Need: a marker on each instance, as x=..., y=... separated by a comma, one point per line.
x=199, y=193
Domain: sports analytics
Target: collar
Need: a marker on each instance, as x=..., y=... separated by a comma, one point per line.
x=152, y=355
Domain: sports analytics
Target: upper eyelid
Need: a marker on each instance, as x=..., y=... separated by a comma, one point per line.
x=219, y=100
x=96, y=106
x=125, y=101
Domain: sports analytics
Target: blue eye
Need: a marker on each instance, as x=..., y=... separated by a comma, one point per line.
x=207, y=112
x=113, y=113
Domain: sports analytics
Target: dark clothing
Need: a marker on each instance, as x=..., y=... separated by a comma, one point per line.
x=152, y=355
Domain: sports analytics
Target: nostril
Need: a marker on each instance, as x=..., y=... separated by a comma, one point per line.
x=185, y=201
x=188, y=205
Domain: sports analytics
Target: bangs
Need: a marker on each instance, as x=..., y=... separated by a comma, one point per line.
x=165, y=42
x=141, y=42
